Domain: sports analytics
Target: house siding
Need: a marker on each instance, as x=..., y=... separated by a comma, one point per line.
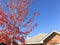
x=55, y=39
x=34, y=44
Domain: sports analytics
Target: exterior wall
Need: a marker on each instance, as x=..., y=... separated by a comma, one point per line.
x=55, y=39
x=34, y=44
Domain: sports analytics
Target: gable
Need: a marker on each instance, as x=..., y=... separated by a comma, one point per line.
x=51, y=36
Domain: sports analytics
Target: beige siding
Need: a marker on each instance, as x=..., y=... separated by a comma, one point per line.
x=55, y=39
x=34, y=44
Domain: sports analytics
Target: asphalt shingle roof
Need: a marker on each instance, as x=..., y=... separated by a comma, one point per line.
x=36, y=38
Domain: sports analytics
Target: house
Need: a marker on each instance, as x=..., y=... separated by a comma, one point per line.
x=53, y=38
x=35, y=40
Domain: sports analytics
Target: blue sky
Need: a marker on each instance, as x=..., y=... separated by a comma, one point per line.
x=49, y=18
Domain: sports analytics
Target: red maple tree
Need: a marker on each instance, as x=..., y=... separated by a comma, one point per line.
x=15, y=19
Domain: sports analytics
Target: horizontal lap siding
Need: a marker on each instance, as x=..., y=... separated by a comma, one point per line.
x=34, y=44
x=55, y=39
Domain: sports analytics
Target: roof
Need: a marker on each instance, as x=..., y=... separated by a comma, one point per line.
x=36, y=39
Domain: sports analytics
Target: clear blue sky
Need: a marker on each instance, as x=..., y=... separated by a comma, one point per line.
x=49, y=18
